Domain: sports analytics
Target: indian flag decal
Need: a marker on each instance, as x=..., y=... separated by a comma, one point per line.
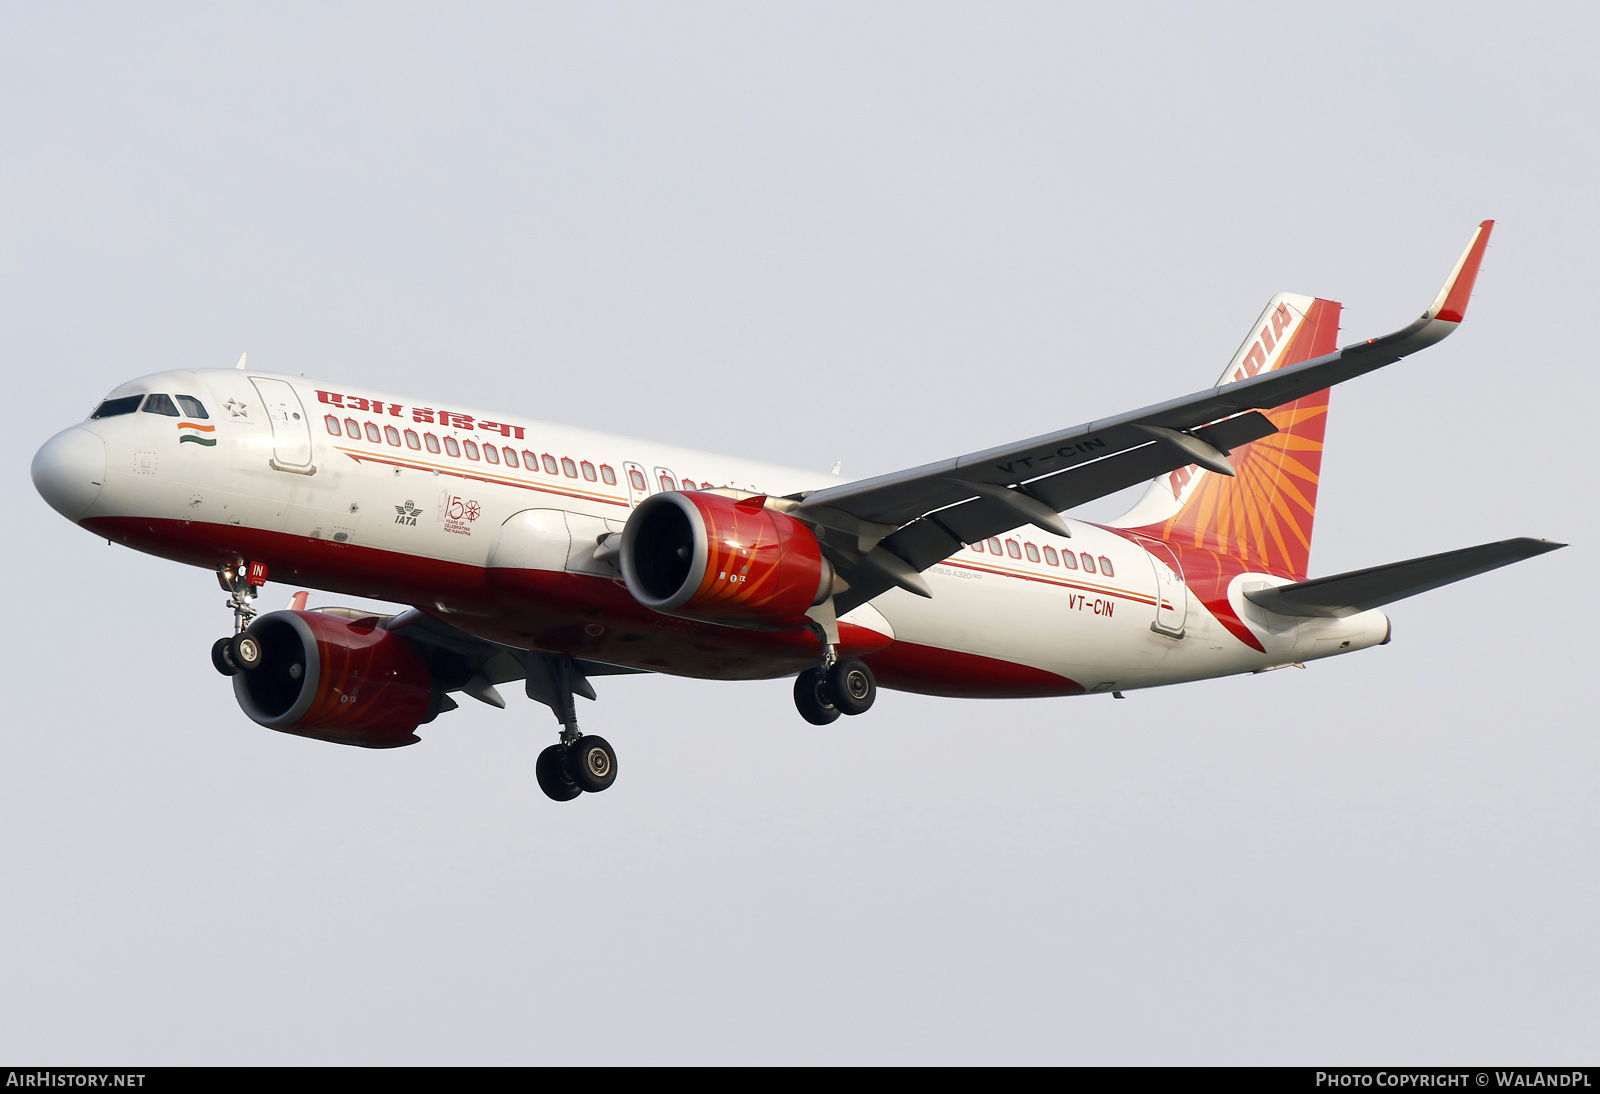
x=198, y=437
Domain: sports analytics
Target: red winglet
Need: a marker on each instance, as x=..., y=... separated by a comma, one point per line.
x=1451, y=305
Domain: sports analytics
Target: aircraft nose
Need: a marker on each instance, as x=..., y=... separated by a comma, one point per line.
x=68, y=471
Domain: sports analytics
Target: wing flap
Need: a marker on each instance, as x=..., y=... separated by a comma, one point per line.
x=1363, y=590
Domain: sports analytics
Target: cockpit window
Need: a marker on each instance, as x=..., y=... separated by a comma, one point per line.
x=112, y=407
x=192, y=407
x=160, y=404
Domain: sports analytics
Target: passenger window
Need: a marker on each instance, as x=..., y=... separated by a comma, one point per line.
x=530, y=460
x=511, y=457
x=111, y=408
x=1069, y=560
x=333, y=425
x=608, y=476
x=637, y=479
x=1050, y=556
x=472, y=454
x=491, y=454
x=412, y=440
x=451, y=448
x=373, y=435
x=1033, y=552
x=666, y=482
x=1088, y=564
x=588, y=470
x=549, y=464
x=160, y=404
x=1012, y=550
x=688, y=484
x=568, y=468
x=1105, y=567
x=978, y=547
x=192, y=407
x=352, y=428
x=994, y=546
x=392, y=435
x=432, y=442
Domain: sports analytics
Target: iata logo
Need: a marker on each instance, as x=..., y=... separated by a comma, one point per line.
x=457, y=513
x=407, y=514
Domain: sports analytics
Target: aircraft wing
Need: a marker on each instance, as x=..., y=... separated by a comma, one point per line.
x=881, y=532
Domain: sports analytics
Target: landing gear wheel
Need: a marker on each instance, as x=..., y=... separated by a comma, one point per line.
x=245, y=652
x=851, y=686
x=811, y=698
x=222, y=656
x=551, y=771
x=592, y=763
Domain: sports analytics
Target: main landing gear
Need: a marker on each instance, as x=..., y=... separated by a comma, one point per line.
x=837, y=686
x=241, y=653
x=581, y=763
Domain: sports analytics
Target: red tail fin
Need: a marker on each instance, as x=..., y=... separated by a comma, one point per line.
x=1263, y=516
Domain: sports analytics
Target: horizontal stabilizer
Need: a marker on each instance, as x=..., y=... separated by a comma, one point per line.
x=1361, y=590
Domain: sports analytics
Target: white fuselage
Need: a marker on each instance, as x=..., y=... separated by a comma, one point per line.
x=411, y=508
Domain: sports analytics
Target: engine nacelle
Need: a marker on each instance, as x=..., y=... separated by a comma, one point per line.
x=706, y=556
x=349, y=682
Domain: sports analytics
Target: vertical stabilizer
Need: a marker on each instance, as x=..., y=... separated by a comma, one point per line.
x=1263, y=515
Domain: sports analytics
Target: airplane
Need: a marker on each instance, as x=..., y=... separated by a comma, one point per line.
x=550, y=555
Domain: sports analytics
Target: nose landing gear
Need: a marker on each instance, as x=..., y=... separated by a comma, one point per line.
x=241, y=653
x=231, y=656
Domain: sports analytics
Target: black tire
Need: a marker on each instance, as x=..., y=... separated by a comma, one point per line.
x=244, y=650
x=592, y=763
x=851, y=686
x=811, y=698
x=551, y=771
x=222, y=656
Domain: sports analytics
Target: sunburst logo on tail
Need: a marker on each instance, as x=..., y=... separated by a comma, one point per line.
x=1263, y=516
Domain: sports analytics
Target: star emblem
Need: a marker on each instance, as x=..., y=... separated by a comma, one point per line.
x=235, y=408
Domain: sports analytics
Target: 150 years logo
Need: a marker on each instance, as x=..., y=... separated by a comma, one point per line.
x=457, y=513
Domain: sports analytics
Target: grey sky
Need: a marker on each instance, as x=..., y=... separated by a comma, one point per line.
x=875, y=233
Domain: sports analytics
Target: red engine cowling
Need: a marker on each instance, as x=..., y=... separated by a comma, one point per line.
x=709, y=557
x=327, y=677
